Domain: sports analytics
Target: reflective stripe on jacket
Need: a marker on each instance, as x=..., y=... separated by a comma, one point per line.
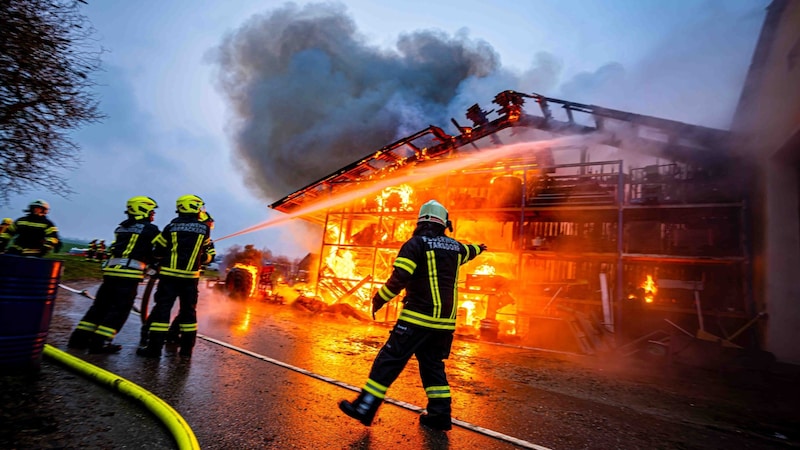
x=30, y=235
x=132, y=249
x=427, y=268
x=183, y=246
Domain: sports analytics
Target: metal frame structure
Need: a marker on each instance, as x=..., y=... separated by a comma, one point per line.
x=570, y=228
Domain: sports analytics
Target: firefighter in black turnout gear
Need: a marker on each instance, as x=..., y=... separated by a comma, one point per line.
x=130, y=253
x=31, y=235
x=182, y=247
x=427, y=268
x=174, y=334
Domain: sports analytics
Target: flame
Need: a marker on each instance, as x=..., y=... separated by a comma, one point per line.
x=253, y=276
x=485, y=269
x=650, y=289
x=342, y=263
x=395, y=198
x=469, y=306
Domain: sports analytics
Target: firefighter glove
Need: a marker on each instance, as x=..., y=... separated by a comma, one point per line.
x=377, y=303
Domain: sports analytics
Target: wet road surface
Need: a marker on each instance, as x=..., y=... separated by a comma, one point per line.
x=264, y=399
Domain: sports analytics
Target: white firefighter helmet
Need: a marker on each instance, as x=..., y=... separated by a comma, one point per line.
x=433, y=211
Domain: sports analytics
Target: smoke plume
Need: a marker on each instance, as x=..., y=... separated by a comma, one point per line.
x=310, y=96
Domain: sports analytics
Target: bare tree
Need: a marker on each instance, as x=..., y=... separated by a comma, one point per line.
x=47, y=56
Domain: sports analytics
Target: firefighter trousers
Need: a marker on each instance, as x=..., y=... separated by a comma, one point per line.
x=169, y=289
x=111, y=307
x=430, y=347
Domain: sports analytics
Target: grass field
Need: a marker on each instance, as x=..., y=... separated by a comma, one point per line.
x=77, y=268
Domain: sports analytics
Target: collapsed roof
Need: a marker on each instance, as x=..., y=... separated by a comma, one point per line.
x=657, y=137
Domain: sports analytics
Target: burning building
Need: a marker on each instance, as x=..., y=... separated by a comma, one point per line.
x=605, y=228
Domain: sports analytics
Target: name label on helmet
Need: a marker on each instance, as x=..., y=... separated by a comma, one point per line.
x=442, y=243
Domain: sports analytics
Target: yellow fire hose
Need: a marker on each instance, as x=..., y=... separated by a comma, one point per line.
x=183, y=434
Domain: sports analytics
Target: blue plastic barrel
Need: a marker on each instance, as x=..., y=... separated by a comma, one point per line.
x=28, y=288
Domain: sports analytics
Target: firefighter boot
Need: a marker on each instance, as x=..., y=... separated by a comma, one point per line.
x=437, y=414
x=155, y=342
x=80, y=339
x=363, y=408
x=187, y=341
x=99, y=344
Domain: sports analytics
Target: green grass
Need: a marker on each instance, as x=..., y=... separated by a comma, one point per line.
x=77, y=268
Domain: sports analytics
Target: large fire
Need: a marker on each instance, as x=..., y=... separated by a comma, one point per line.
x=364, y=245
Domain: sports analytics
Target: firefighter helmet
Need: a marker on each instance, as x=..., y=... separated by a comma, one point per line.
x=45, y=207
x=140, y=207
x=433, y=211
x=189, y=204
x=8, y=221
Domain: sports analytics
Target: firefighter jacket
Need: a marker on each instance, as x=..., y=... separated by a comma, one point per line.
x=183, y=246
x=31, y=235
x=427, y=268
x=132, y=249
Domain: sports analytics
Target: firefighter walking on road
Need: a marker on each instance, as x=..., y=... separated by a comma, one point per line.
x=182, y=247
x=31, y=235
x=130, y=253
x=427, y=268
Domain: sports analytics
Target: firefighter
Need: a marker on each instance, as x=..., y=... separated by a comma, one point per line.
x=174, y=334
x=100, y=253
x=131, y=252
x=427, y=268
x=4, y=224
x=92, y=250
x=183, y=246
x=31, y=235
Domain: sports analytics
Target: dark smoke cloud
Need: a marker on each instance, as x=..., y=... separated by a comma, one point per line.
x=310, y=96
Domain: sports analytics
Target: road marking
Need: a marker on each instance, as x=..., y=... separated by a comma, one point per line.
x=400, y=403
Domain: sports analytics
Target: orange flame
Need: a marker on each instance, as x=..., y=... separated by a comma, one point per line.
x=395, y=198
x=485, y=269
x=253, y=276
x=650, y=289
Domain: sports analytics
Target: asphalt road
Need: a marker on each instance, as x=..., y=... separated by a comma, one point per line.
x=270, y=376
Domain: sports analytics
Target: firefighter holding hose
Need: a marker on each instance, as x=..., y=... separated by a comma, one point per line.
x=174, y=334
x=183, y=246
x=427, y=268
x=130, y=253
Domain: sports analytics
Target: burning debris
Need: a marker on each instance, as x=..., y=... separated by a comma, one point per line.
x=251, y=273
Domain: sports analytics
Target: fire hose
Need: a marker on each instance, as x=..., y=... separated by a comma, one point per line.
x=181, y=432
x=178, y=427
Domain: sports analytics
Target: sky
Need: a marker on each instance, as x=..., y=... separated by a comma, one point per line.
x=245, y=102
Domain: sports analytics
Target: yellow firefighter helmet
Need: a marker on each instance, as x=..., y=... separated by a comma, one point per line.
x=140, y=207
x=188, y=204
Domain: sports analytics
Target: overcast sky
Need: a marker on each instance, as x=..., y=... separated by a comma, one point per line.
x=243, y=102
